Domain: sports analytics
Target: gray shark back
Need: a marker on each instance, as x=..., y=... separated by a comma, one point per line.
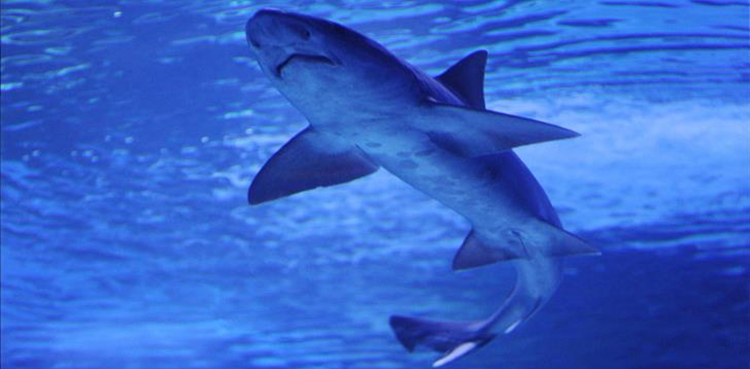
x=349, y=86
x=514, y=177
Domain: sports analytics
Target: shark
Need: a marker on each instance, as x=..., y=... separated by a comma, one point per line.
x=369, y=109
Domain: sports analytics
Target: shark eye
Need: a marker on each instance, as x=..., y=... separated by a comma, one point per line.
x=300, y=30
x=254, y=42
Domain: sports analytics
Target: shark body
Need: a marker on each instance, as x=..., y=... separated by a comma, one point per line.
x=369, y=109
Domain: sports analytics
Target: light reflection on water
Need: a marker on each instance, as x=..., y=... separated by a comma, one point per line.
x=130, y=133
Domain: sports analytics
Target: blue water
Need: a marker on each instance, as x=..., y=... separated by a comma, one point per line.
x=131, y=131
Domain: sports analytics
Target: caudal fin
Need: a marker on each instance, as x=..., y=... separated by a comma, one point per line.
x=453, y=339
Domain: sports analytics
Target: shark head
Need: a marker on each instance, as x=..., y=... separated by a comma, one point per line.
x=281, y=41
x=313, y=60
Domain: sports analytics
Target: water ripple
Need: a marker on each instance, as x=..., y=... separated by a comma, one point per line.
x=130, y=134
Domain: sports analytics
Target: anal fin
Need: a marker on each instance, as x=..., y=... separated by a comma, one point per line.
x=564, y=243
x=473, y=253
x=543, y=239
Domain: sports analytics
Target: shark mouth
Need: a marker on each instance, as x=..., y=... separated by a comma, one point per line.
x=305, y=57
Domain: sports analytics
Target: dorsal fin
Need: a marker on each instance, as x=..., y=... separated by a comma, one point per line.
x=466, y=78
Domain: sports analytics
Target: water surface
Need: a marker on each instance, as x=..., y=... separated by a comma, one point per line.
x=131, y=131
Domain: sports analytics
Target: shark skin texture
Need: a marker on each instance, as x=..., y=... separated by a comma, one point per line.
x=369, y=109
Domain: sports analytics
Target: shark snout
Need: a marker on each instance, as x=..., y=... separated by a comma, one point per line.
x=279, y=39
x=269, y=28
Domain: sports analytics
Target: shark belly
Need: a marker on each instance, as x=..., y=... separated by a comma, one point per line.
x=463, y=184
x=369, y=109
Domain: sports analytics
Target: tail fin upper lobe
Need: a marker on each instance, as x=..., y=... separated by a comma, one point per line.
x=454, y=339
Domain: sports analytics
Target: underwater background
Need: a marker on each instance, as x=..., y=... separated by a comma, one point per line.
x=132, y=129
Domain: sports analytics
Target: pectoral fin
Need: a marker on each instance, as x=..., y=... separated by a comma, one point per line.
x=470, y=133
x=307, y=161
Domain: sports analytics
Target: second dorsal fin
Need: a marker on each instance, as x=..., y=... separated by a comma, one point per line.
x=466, y=78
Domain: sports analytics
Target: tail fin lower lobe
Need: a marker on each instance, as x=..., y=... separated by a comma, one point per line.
x=453, y=339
